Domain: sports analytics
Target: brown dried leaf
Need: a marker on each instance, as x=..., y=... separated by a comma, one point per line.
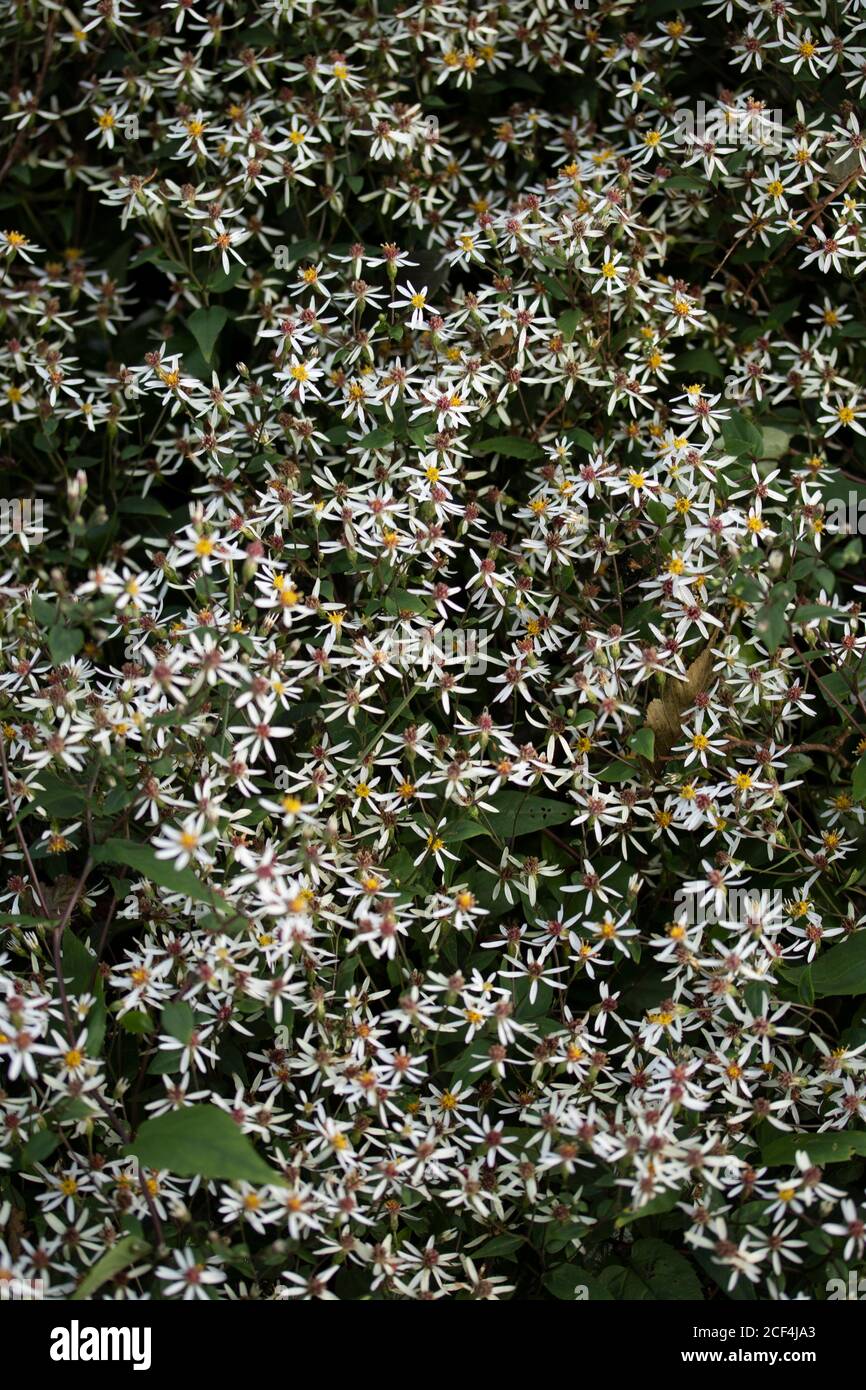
x=664, y=716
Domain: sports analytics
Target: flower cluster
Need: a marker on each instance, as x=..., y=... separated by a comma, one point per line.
x=432, y=681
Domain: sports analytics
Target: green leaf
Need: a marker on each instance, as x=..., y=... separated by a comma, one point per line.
x=619, y=770
x=771, y=625
x=518, y=813
x=205, y=325
x=59, y=798
x=165, y=1062
x=178, y=1020
x=582, y=438
x=744, y=586
x=568, y=1282
x=742, y=1292
x=644, y=743
x=79, y=964
x=841, y=970
x=698, y=360
x=463, y=828
x=656, y=1206
x=833, y=1146
x=806, y=987
x=200, y=1140
x=143, y=860
x=44, y=613
x=39, y=1147
x=656, y=1271
x=461, y=1068
x=117, y=798
x=24, y=919
x=221, y=280
x=741, y=437
x=136, y=1021
x=143, y=506
x=125, y=1253
x=568, y=322
x=858, y=783
x=780, y=315
x=153, y=255
x=378, y=438
x=499, y=1245
x=306, y=247
x=64, y=643
x=97, y=1021
x=809, y=611
x=400, y=600
x=682, y=180
x=511, y=446
x=775, y=442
